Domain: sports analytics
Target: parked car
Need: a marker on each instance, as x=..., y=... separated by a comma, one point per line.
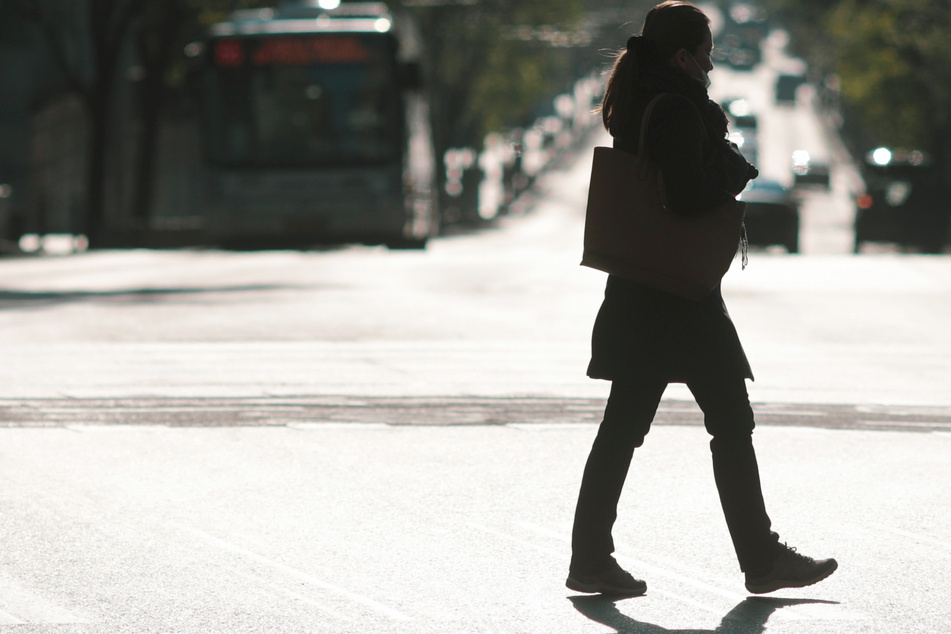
x=772, y=214
x=743, y=126
x=808, y=171
x=904, y=203
x=740, y=113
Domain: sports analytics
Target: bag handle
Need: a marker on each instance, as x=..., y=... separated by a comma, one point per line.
x=642, y=142
x=644, y=172
x=642, y=147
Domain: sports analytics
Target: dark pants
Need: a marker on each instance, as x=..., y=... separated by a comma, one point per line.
x=630, y=410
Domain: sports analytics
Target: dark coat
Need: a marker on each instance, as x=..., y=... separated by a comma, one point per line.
x=645, y=332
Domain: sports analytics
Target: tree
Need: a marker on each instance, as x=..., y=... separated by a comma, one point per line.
x=893, y=59
x=162, y=32
x=895, y=63
x=493, y=61
x=86, y=39
x=156, y=43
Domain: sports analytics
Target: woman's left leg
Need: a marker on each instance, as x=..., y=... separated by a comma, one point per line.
x=627, y=418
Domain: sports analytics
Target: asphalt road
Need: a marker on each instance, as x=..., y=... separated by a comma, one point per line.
x=316, y=526
x=357, y=440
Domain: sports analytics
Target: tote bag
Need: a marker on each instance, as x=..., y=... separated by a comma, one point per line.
x=629, y=231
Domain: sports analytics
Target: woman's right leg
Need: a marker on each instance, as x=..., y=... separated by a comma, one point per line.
x=728, y=417
x=627, y=418
x=768, y=565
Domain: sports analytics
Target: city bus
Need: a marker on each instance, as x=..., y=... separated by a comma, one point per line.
x=317, y=129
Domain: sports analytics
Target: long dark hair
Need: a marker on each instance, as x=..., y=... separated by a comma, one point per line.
x=668, y=27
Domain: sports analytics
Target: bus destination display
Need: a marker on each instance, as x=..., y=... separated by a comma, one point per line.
x=291, y=51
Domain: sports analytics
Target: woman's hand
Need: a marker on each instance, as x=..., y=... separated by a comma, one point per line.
x=738, y=170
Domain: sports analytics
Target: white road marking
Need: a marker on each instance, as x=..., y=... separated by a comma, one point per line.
x=914, y=536
x=276, y=589
x=523, y=542
x=911, y=424
x=20, y=606
x=318, y=426
x=91, y=428
x=8, y=619
x=551, y=426
x=391, y=613
x=762, y=411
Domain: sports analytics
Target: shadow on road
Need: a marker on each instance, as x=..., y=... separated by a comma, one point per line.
x=748, y=617
x=20, y=299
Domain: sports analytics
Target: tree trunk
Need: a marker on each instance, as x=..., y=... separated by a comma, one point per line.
x=93, y=224
x=151, y=98
x=109, y=21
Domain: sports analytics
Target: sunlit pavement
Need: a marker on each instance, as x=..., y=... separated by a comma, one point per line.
x=364, y=527
x=499, y=313
x=358, y=440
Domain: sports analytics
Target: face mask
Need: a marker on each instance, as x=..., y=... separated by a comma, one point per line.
x=704, y=78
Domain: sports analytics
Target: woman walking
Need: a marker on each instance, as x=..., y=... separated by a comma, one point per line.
x=644, y=339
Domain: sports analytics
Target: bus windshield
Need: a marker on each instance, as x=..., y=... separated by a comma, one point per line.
x=302, y=100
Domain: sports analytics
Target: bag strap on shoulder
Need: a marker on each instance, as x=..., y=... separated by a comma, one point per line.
x=642, y=142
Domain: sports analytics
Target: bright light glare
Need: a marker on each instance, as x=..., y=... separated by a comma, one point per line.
x=328, y=5
x=882, y=156
x=30, y=243
x=740, y=108
x=53, y=244
x=383, y=25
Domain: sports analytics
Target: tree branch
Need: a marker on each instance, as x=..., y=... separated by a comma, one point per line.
x=54, y=41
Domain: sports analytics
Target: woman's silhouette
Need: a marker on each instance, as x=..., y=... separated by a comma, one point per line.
x=644, y=339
